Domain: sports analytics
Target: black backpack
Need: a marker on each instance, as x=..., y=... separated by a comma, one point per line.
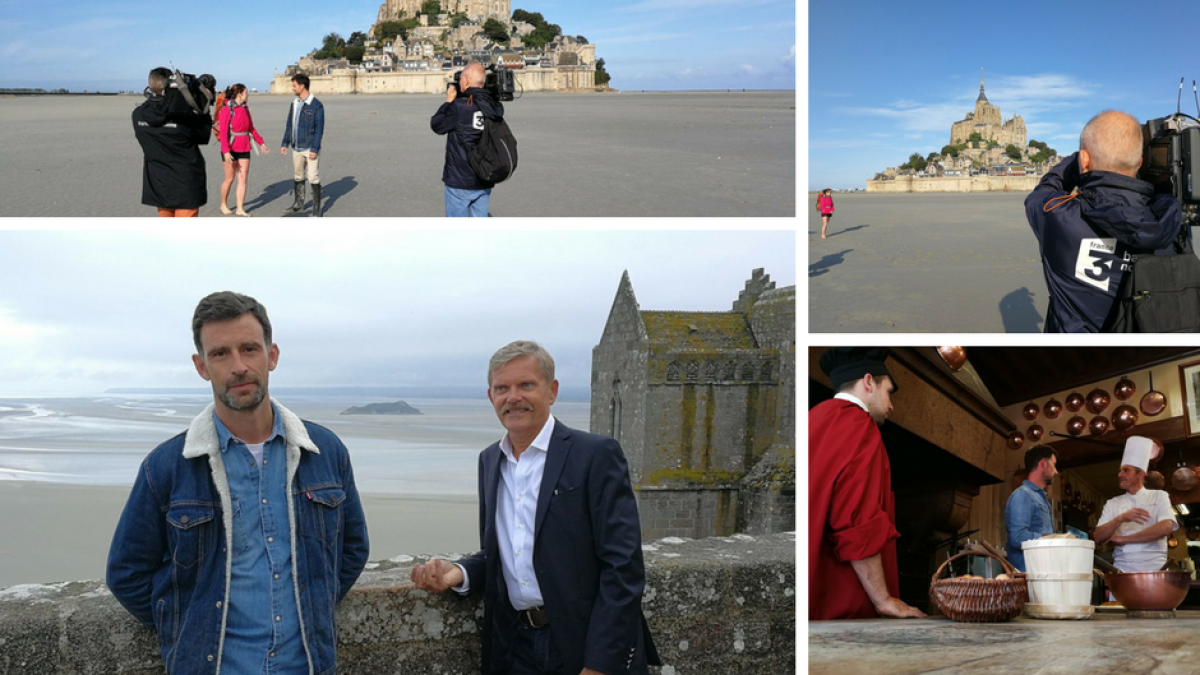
x=1159, y=294
x=494, y=157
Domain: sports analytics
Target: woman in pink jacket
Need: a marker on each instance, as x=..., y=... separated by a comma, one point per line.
x=825, y=206
x=235, y=128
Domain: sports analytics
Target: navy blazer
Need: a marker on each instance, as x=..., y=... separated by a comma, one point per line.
x=587, y=554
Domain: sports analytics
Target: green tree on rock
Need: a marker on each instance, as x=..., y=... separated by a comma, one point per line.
x=602, y=76
x=1013, y=151
x=495, y=31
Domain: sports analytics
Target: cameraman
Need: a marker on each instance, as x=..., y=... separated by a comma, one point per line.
x=173, y=173
x=1085, y=238
x=460, y=119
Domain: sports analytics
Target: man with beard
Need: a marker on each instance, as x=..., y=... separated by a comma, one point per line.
x=1138, y=522
x=242, y=533
x=1028, y=510
x=852, y=571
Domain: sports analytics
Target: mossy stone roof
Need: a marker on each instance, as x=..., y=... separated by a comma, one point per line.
x=699, y=330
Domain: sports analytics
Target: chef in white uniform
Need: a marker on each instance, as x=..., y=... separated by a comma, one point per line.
x=1138, y=522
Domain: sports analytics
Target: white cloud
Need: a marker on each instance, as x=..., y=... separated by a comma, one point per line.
x=750, y=70
x=688, y=5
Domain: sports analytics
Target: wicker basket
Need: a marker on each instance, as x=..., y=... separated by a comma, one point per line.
x=979, y=600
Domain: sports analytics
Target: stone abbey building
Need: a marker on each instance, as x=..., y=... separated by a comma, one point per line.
x=703, y=404
x=987, y=122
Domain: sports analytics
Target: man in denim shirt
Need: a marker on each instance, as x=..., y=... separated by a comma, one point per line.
x=1028, y=510
x=240, y=535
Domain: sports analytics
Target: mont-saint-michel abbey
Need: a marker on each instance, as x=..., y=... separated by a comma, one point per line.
x=425, y=55
x=986, y=153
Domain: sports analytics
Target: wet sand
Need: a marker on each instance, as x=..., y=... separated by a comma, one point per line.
x=925, y=263
x=54, y=532
x=627, y=154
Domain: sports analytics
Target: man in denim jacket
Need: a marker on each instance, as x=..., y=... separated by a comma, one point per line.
x=242, y=533
x=302, y=134
x=1028, y=510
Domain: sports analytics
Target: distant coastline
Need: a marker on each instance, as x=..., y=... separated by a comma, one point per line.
x=577, y=394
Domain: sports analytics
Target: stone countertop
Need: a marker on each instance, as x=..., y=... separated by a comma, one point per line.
x=1108, y=643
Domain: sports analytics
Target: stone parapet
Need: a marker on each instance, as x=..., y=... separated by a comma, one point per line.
x=718, y=605
x=962, y=184
x=559, y=78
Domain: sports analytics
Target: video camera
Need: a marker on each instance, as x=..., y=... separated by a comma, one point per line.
x=501, y=83
x=1171, y=158
x=187, y=94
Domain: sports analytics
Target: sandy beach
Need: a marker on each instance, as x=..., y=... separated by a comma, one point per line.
x=82, y=519
x=925, y=263
x=626, y=154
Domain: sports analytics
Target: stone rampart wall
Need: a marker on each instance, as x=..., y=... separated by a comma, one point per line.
x=721, y=605
x=963, y=184
x=571, y=78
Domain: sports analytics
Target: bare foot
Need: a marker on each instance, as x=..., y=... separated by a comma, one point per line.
x=225, y=210
x=242, y=213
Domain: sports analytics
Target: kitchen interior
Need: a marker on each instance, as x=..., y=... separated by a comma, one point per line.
x=962, y=421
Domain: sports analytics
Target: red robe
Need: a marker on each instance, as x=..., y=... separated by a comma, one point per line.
x=851, y=510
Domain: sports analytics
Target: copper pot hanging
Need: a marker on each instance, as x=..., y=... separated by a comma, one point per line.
x=1015, y=440
x=1097, y=401
x=1035, y=432
x=1155, y=480
x=1074, y=401
x=1031, y=411
x=1184, y=478
x=955, y=357
x=1076, y=425
x=1098, y=426
x=1124, y=388
x=1124, y=417
x=1052, y=409
x=1153, y=402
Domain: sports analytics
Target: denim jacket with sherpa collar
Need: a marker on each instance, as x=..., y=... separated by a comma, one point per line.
x=310, y=128
x=169, y=563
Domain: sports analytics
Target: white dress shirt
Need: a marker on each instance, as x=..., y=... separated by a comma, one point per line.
x=516, y=509
x=1146, y=556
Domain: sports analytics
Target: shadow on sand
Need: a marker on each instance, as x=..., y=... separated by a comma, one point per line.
x=335, y=190
x=1019, y=314
x=822, y=266
x=270, y=194
x=848, y=230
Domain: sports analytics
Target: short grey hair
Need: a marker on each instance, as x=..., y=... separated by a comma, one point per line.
x=515, y=350
x=226, y=306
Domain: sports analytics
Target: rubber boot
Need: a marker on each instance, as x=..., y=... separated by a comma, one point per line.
x=298, y=205
x=316, y=212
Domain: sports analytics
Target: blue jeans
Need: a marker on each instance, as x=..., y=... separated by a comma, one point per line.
x=467, y=203
x=534, y=653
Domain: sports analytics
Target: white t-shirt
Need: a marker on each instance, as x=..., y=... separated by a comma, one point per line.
x=1147, y=556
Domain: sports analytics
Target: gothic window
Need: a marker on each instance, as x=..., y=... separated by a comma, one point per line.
x=727, y=373
x=673, y=371
x=765, y=374
x=710, y=371
x=693, y=371
x=616, y=410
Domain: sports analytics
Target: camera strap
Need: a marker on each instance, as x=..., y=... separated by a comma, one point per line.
x=1058, y=201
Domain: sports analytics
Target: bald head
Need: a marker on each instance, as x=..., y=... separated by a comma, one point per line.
x=1111, y=141
x=473, y=75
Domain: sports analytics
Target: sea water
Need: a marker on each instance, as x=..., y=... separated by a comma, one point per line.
x=102, y=440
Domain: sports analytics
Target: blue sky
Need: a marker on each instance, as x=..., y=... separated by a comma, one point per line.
x=888, y=79
x=646, y=44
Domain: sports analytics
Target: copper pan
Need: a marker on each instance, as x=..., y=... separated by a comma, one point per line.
x=1149, y=591
x=1153, y=402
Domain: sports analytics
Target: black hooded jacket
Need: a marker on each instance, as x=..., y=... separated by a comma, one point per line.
x=173, y=173
x=1086, y=241
x=461, y=121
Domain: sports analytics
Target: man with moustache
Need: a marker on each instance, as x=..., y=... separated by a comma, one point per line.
x=561, y=568
x=242, y=533
x=852, y=571
x=1027, y=512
